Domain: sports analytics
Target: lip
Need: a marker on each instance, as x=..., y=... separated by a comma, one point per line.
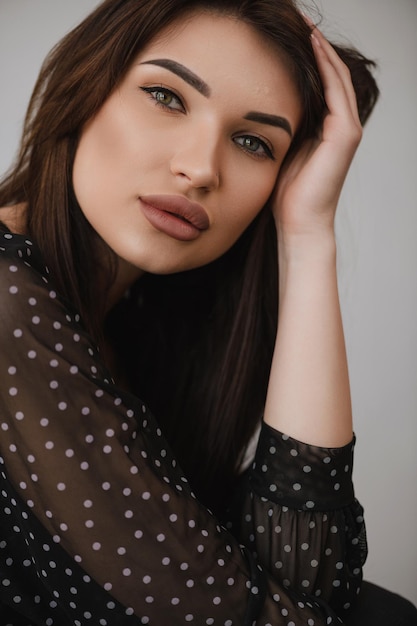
x=175, y=215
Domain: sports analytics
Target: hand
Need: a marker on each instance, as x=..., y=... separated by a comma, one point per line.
x=309, y=185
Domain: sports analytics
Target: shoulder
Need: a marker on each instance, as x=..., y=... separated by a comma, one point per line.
x=18, y=252
x=34, y=318
x=26, y=289
x=24, y=284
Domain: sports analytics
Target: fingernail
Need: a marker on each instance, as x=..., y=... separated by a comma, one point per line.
x=308, y=20
x=316, y=40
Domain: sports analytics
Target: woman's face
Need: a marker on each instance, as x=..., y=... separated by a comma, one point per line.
x=186, y=151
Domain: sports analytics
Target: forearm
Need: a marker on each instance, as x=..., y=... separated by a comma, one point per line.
x=296, y=511
x=308, y=395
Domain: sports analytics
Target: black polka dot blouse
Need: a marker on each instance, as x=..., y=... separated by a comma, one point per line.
x=98, y=525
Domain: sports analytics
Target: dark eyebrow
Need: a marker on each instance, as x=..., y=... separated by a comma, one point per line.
x=272, y=120
x=184, y=73
x=198, y=83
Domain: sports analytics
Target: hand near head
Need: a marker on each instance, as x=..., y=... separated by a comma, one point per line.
x=309, y=185
x=309, y=351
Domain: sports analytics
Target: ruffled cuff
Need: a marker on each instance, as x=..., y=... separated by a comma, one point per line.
x=302, y=476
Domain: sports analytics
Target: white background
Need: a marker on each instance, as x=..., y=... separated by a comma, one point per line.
x=377, y=231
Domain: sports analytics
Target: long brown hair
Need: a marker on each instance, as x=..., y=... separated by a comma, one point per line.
x=197, y=346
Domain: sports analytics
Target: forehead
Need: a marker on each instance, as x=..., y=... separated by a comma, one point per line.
x=227, y=53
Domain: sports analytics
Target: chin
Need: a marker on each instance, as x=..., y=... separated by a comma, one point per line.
x=164, y=267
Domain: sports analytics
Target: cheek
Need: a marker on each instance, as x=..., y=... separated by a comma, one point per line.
x=253, y=190
x=102, y=165
x=248, y=200
x=89, y=178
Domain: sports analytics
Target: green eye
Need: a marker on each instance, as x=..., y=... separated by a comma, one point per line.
x=254, y=146
x=164, y=97
x=251, y=144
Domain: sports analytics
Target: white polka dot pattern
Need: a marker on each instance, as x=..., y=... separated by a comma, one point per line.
x=100, y=524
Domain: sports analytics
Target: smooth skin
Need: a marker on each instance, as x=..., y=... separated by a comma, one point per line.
x=309, y=395
x=158, y=134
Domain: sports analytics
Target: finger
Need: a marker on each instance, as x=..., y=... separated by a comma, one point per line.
x=332, y=68
x=337, y=99
x=321, y=41
x=343, y=117
x=328, y=59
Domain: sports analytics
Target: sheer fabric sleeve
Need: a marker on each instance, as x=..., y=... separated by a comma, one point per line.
x=100, y=523
x=297, y=513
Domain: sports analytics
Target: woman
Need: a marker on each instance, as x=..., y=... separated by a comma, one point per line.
x=138, y=257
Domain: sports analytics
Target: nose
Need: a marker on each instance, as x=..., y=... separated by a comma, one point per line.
x=196, y=159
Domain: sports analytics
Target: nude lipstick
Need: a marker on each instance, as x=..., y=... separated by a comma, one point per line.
x=175, y=216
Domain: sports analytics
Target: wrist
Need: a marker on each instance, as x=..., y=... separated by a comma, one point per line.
x=306, y=248
x=306, y=265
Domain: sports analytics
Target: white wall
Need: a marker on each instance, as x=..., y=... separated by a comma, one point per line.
x=378, y=271
x=377, y=230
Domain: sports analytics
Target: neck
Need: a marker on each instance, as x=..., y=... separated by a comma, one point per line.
x=126, y=275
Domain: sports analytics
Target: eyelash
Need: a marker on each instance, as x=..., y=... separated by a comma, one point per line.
x=167, y=92
x=151, y=91
x=267, y=151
